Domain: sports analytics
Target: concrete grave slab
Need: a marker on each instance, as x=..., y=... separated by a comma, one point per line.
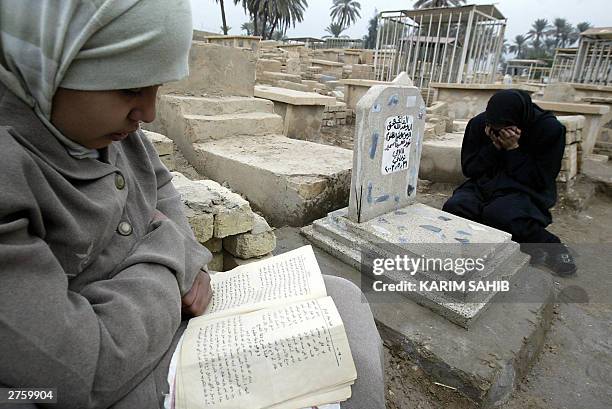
x=291, y=181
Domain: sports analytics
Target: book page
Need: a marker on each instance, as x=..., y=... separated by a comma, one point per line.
x=286, y=278
x=265, y=358
x=314, y=400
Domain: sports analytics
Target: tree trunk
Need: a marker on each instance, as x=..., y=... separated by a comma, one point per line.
x=255, y=16
x=273, y=26
x=223, y=17
x=265, y=34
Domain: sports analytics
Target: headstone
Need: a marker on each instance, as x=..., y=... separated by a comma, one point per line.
x=387, y=151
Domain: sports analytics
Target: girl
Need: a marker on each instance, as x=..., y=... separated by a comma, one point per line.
x=97, y=261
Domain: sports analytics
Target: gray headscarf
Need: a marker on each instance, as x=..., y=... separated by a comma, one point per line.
x=90, y=45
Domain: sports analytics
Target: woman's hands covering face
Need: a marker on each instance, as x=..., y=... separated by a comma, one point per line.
x=505, y=138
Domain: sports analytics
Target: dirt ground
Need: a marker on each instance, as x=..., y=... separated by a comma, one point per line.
x=574, y=369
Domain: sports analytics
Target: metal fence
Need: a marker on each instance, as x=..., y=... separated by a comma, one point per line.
x=563, y=65
x=593, y=64
x=453, y=45
x=339, y=43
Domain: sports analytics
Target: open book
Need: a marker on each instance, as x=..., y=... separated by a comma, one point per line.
x=270, y=338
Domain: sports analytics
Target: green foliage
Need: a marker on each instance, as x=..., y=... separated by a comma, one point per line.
x=541, y=41
x=335, y=29
x=248, y=28
x=369, y=40
x=424, y=4
x=270, y=16
x=345, y=12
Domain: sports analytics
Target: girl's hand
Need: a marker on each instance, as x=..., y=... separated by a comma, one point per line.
x=198, y=297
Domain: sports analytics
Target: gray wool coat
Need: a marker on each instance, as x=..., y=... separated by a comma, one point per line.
x=90, y=284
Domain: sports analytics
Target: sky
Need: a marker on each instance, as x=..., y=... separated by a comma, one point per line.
x=520, y=14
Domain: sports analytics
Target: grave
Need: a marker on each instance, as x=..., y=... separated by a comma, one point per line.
x=468, y=100
x=302, y=112
x=478, y=343
x=382, y=216
x=356, y=89
x=594, y=119
x=237, y=140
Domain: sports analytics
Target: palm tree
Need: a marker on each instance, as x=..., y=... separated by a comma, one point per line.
x=345, y=12
x=369, y=40
x=248, y=27
x=519, y=45
x=582, y=27
x=539, y=29
x=270, y=15
x=335, y=29
x=285, y=14
x=224, y=27
x=549, y=45
x=561, y=31
x=424, y=4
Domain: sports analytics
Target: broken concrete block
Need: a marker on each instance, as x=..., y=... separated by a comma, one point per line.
x=232, y=214
x=430, y=130
x=256, y=243
x=216, y=264
x=571, y=150
x=437, y=108
x=570, y=122
x=459, y=125
x=168, y=161
x=230, y=262
x=215, y=245
x=202, y=224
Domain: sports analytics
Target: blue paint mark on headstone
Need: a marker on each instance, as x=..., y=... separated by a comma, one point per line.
x=375, y=137
x=396, y=198
x=376, y=108
x=393, y=100
x=444, y=218
x=382, y=198
x=465, y=233
x=460, y=240
x=403, y=240
x=369, y=192
x=431, y=228
x=409, y=190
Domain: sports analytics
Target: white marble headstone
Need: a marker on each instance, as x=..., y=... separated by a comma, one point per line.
x=389, y=132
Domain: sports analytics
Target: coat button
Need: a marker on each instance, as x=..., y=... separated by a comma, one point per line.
x=124, y=229
x=119, y=181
